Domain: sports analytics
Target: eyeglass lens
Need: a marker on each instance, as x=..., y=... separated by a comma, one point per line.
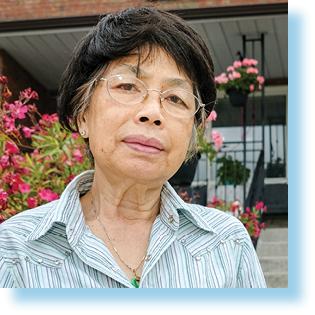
x=129, y=90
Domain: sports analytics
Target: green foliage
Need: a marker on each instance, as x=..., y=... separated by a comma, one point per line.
x=231, y=171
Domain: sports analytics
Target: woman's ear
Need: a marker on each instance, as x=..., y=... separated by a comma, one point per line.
x=82, y=125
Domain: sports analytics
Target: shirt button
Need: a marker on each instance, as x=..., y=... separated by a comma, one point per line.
x=197, y=258
x=114, y=269
x=14, y=261
x=171, y=219
x=148, y=257
x=67, y=253
x=237, y=240
x=27, y=258
x=57, y=262
x=183, y=241
x=39, y=260
x=208, y=249
x=222, y=241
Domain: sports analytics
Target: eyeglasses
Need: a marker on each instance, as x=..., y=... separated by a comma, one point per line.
x=128, y=90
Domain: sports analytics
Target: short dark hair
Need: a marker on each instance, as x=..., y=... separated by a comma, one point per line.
x=119, y=34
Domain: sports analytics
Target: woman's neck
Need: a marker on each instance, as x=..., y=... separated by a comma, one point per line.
x=126, y=199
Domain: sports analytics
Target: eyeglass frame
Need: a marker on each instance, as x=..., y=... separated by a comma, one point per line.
x=200, y=104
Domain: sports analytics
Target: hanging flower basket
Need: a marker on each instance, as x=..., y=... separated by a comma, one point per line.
x=237, y=98
x=241, y=77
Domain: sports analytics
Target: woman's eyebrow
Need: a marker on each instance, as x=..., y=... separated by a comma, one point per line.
x=133, y=69
x=178, y=82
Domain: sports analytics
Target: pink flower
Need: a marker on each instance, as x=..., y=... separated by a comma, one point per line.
x=14, y=181
x=75, y=135
x=251, y=70
x=234, y=75
x=25, y=188
x=11, y=148
x=247, y=209
x=253, y=216
x=262, y=225
x=253, y=62
x=214, y=199
x=246, y=226
x=3, y=199
x=259, y=205
x=237, y=64
x=222, y=78
x=9, y=107
x=21, y=112
x=34, y=95
x=265, y=209
x=217, y=138
x=48, y=119
x=9, y=123
x=230, y=68
x=4, y=162
x=31, y=202
x=260, y=79
x=231, y=76
x=27, y=131
x=212, y=116
x=78, y=156
x=251, y=87
x=48, y=195
x=49, y=158
x=246, y=62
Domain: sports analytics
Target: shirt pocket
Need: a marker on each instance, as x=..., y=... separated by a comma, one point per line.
x=31, y=269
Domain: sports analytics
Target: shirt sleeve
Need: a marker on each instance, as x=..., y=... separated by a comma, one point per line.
x=6, y=280
x=250, y=274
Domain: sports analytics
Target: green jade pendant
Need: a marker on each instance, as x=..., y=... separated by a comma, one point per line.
x=135, y=280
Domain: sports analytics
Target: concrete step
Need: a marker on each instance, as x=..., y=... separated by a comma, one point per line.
x=274, y=264
x=271, y=248
x=276, y=279
x=274, y=235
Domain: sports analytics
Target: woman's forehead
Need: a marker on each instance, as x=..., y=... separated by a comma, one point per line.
x=148, y=64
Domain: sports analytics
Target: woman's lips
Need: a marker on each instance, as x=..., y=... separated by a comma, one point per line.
x=143, y=144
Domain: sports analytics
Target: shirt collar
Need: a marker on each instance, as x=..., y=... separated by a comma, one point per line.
x=67, y=210
x=171, y=203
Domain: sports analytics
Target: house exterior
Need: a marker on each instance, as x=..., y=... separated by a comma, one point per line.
x=37, y=37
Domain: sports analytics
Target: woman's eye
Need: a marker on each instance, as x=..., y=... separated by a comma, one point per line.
x=126, y=87
x=176, y=100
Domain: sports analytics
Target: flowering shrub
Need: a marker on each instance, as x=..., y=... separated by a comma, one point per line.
x=217, y=138
x=249, y=217
x=185, y=196
x=241, y=76
x=32, y=175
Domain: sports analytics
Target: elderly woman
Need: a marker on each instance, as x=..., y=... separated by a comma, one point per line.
x=137, y=87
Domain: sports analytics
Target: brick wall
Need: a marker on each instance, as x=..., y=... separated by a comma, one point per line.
x=42, y=9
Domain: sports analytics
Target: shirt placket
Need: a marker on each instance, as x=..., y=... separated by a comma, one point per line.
x=105, y=264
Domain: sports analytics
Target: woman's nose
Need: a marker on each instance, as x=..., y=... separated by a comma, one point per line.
x=151, y=109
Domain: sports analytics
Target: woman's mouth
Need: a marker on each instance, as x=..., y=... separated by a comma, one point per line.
x=143, y=144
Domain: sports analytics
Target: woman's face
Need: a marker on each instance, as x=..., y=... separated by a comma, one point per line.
x=140, y=141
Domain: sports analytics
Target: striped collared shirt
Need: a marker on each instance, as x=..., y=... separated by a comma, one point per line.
x=190, y=247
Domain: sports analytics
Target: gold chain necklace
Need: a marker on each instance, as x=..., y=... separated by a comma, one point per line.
x=136, y=279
